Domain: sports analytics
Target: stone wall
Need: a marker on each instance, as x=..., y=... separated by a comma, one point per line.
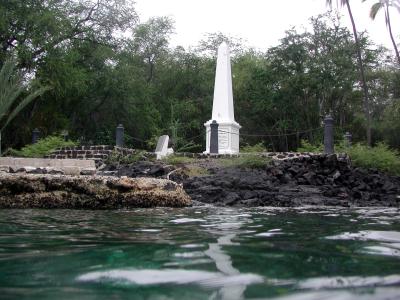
x=96, y=153
x=47, y=165
x=99, y=153
x=272, y=155
x=102, y=152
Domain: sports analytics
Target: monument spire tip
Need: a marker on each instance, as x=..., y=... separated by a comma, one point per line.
x=223, y=45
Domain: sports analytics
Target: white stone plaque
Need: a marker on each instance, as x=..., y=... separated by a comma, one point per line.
x=162, y=146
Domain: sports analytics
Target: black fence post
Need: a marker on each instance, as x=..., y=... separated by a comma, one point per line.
x=214, y=137
x=64, y=134
x=328, y=135
x=35, y=135
x=119, y=136
x=347, y=139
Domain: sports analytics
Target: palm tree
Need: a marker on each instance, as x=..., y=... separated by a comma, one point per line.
x=385, y=4
x=360, y=66
x=11, y=90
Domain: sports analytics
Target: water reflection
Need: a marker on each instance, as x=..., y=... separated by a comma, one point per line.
x=384, y=249
x=228, y=231
x=201, y=253
x=377, y=294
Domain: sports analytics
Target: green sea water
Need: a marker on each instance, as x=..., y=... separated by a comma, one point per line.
x=200, y=253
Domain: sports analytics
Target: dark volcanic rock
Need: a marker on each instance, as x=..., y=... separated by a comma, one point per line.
x=138, y=169
x=312, y=180
x=319, y=180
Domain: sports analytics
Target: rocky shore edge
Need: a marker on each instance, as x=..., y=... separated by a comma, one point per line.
x=88, y=192
x=310, y=179
x=321, y=180
x=318, y=180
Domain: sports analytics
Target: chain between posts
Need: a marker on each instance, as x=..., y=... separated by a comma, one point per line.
x=273, y=135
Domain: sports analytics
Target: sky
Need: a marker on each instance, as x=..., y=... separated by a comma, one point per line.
x=261, y=23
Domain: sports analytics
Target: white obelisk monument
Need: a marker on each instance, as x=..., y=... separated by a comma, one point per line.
x=223, y=113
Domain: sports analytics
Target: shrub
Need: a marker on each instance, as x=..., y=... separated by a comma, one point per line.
x=257, y=148
x=308, y=147
x=43, y=147
x=380, y=157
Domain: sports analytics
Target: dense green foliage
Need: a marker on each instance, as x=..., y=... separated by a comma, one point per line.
x=379, y=157
x=42, y=147
x=11, y=90
x=308, y=147
x=14, y=95
x=100, y=78
x=257, y=148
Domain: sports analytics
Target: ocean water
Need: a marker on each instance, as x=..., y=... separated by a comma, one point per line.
x=201, y=253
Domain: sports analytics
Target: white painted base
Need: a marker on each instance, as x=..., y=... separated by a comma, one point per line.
x=228, y=137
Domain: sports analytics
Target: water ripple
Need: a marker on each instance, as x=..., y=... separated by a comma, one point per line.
x=381, y=236
x=187, y=220
x=151, y=277
x=348, y=282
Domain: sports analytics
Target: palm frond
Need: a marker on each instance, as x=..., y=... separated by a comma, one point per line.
x=11, y=89
x=375, y=9
x=396, y=3
x=28, y=99
x=341, y=2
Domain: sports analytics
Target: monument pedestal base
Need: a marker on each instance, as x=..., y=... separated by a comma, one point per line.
x=228, y=137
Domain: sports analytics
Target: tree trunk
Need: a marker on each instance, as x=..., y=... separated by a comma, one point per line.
x=362, y=73
x=151, y=70
x=286, y=142
x=391, y=33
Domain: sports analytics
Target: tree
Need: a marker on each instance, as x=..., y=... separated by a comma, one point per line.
x=367, y=112
x=151, y=40
x=210, y=44
x=11, y=90
x=333, y=67
x=71, y=46
x=390, y=124
x=385, y=4
x=32, y=28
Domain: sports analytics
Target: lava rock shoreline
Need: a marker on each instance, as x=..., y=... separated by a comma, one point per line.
x=327, y=180
x=320, y=180
x=88, y=192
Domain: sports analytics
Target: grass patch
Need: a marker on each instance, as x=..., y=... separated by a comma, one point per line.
x=196, y=171
x=189, y=165
x=178, y=160
x=118, y=158
x=246, y=161
x=43, y=147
